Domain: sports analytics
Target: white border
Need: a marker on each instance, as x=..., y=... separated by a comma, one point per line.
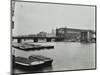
x=5, y=37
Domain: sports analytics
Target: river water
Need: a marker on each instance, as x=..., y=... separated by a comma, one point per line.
x=65, y=55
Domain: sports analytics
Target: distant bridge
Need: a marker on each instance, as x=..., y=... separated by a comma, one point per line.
x=85, y=36
x=35, y=39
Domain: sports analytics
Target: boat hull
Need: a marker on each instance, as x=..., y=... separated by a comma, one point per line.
x=43, y=62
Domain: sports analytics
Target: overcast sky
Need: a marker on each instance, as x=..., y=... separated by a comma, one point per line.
x=31, y=18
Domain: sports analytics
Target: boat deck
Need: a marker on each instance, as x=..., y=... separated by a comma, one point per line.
x=34, y=60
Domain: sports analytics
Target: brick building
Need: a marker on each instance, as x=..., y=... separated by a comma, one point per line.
x=70, y=34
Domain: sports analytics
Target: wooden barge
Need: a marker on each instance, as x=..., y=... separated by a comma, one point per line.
x=32, y=61
x=31, y=47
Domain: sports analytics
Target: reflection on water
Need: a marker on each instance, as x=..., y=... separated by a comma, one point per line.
x=65, y=55
x=33, y=70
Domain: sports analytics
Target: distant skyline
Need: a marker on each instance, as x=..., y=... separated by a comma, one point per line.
x=32, y=18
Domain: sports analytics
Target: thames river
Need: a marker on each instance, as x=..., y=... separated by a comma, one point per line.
x=65, y=55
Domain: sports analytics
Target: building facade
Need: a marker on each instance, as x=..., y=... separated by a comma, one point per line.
x=70, y=34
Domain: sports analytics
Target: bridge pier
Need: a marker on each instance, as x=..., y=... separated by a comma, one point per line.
x=48, y=40
x=19, y=40
x=35, y=40
x=24, y=39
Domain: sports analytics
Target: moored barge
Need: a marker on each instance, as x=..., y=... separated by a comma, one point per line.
x=31, y=47
x=32, y=61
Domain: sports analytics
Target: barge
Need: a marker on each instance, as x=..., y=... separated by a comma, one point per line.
x=31, y=47
x=32, y=61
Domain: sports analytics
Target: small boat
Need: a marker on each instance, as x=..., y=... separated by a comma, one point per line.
x=33, y=61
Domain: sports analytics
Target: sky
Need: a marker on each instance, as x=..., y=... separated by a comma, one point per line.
x=32, y=18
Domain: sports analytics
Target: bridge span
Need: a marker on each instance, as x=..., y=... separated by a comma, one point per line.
x=86, y=36
x=35, y=39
